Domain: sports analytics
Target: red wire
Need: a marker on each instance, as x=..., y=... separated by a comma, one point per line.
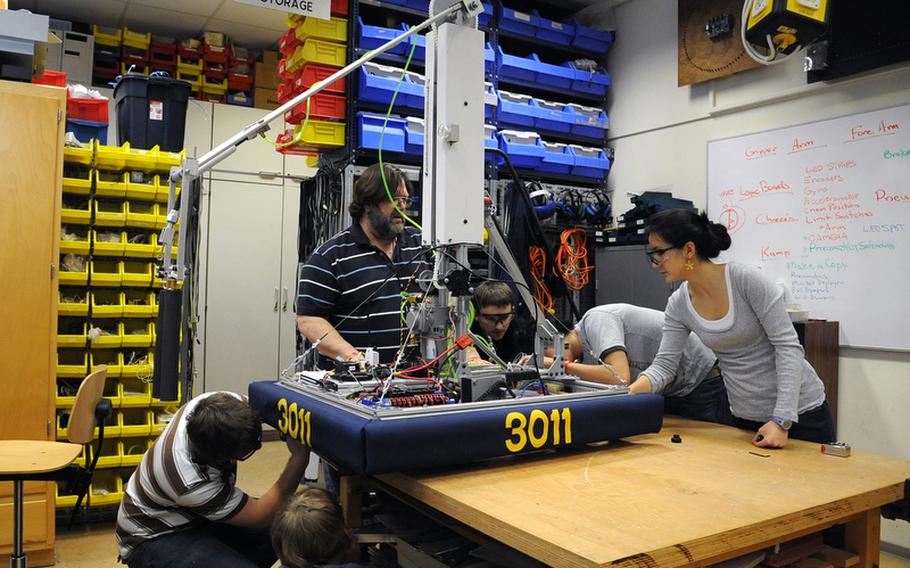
x=538, y=271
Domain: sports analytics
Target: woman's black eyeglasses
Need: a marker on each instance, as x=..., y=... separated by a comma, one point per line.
x=656, y=256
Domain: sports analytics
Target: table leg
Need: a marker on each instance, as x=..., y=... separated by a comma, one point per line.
x=864, y=537
x=350, y=496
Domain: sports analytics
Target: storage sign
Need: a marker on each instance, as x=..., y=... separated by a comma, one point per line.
x=319, y=9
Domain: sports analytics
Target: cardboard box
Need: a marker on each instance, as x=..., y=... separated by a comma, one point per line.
x=270, y=57
x=266, y=76
x=265, y=98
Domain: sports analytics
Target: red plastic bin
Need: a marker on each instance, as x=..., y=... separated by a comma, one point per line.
x=157, y=58
x=240, y=81
x=322, y=106
x=339, y=7
x=52, y=78
x=313, y=72
x=215, y=70
x=93, y=110
x=161, y=44
x=215, y=54
x=288, y=43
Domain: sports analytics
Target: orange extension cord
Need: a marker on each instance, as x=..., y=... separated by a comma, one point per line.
x=538, y=272
x=572, y=258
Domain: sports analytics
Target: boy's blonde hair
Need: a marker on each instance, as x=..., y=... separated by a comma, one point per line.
x=310, y=530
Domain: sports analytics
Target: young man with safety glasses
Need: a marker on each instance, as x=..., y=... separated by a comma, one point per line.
x=496, y=320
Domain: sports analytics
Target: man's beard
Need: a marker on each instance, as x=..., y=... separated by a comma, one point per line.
x=382, y=226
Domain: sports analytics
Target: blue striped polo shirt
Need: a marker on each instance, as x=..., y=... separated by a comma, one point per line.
x=346, y=270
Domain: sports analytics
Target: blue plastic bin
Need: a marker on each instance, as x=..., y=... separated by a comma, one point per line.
x=419, y=5
x=490, y=101
x=517, y=68
x=372, y=37
x=489, y=58
x=596, y=41
x=414, y=133
x=378, y=83
x=487, y=16
x=554, y=117
x=558, y=158
x=592, y=83
x=562, y=33
x=369, y=131
x=554, y=77
x=86, y=130
x=240, y=99
x=520, y=23
x=490, y=141
x=524, y=148
x=420, y=52
x=590, y=162
x=589, y=122
x=516, y=109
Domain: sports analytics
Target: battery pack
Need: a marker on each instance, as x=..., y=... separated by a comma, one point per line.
x=789, y=23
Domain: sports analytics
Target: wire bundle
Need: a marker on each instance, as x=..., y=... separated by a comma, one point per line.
x=542, y=294
x=572, y=258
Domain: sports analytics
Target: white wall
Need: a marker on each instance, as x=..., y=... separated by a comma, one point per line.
x=660, y=133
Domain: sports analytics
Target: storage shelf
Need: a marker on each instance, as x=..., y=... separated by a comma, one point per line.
x=528, y=175
x=533, y=42
x=391, y=58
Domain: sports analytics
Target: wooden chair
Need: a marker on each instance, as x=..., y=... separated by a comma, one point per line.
x=41, y=460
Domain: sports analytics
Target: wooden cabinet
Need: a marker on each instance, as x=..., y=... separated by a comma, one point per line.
x=820, y=339
x=31, y=143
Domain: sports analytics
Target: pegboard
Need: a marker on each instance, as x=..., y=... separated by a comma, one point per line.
x=701, y=58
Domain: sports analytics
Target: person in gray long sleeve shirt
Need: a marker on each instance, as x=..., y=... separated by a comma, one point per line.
x=626, y=338
x=740, y=315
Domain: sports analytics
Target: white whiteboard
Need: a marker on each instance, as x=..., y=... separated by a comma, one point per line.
x=824, y=209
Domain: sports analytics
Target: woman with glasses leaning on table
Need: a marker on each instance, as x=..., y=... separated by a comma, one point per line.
x=740, y=315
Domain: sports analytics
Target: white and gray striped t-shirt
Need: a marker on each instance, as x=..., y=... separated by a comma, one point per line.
x=169, y=492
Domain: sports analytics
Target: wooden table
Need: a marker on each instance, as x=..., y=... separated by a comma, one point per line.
x=649, y=502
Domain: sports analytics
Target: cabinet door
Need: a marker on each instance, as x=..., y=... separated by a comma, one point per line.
x=242, y=285
x=287, y=345
x=253, y=161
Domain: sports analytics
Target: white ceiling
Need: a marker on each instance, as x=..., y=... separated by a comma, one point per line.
x=255, y=28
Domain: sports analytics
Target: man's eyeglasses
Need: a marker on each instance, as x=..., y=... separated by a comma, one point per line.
x=496, y=319
x=656, y=256
x=404, y=202
x=253, y=450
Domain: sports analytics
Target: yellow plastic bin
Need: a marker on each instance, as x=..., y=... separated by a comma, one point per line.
x=135, y=39
x=167, y=160
x=110, y=184
x=335, y=29
x=135, y=420
x=320, y=134
x=112, y=393
x=107, y=303
x=72, y=332
x=138, y=304
x=74, y=270
x=164, y=188
x=141, y=214
x=138, y=363
x=141, y=186
x=109, y=242
x=140, y=244
x=112, y=358
x=107, y=272
x=82, y=156
x=106, y=488
x=132, y=450
x=74, y=240
x=66, y=392
x=76, y=210
x=112, y=158
x=316, y=51
x=111, y=37
x=106, y=334
x=138, y=273
x=161, y=417
x=72, y=363
x=141, y=160
x=138, y=333
x=72, y=302
x=110, y=213
x=77, y=180
x=110, y=452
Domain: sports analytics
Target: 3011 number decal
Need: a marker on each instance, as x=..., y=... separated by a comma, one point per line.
x=294, y=421
x=538, y=429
